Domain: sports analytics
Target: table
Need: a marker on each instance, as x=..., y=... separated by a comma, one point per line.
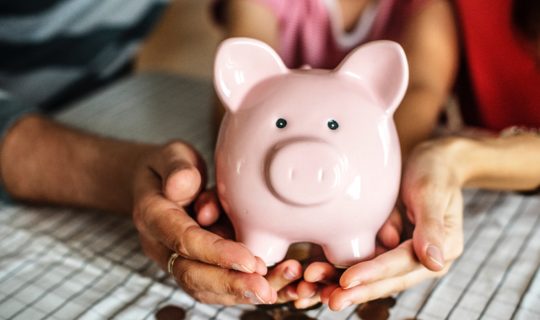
x=58, y=263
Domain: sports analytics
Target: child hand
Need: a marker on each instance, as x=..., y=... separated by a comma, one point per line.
x=281, y=278
x=322, y=278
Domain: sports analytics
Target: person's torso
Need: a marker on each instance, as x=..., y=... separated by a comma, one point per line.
x=49, y=48
x=501, y=80
x=311, y=31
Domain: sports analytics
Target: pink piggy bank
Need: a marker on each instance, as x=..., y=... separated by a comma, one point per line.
x=308, y=155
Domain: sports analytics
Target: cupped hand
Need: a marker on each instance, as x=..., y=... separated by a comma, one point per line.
x=322, y=278
x=282, y=278
x=431, y=193
x=210, y=268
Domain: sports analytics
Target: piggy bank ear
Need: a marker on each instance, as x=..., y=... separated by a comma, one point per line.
x=240, y=64
x=382, y=67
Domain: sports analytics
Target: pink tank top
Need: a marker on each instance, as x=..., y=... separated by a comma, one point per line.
x=310, y=31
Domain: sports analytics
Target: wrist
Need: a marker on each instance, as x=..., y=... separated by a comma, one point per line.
x=508, y=163
x=476, y=162
x=464, y=158
x=456, y=154
x=133, y=157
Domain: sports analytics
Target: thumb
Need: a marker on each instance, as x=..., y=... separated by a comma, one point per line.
x=207, y=208
x=428, y=239
x=182, y=184
x=178, y=166
x=426, y=200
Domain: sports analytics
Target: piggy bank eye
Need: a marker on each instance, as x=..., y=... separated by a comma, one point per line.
x=333, y=125
x=281, y=123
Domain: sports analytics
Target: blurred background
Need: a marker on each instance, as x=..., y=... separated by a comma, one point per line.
x=184, y=41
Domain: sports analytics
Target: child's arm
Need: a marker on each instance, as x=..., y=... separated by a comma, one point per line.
x=430, y=42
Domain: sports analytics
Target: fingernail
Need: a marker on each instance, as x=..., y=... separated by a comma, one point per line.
x=291, y=292
x=317, y=279
x=312, y=294
x=302, y=303
x=252, y=297
x=260, y=267
x=353, y=284
x=289, y=274
x=345, y=305
x=435, y=255
x=242, y=268
x=261, y=299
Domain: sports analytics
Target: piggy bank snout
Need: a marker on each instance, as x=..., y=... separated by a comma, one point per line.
x=305, y=172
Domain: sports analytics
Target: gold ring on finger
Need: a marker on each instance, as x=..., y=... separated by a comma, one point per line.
x=170, y=264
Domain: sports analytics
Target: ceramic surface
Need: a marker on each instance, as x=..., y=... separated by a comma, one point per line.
x=309, y=155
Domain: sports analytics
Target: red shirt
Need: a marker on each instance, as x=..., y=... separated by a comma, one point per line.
x=503, y=75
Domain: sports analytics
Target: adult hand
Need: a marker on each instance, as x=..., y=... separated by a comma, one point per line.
x=210, y=268
x=322, y=278
x=431, y=193
x=281, y=278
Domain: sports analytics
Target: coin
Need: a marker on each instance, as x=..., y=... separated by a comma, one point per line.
x=171, y=313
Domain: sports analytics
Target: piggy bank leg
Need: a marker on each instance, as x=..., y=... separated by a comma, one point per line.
x=270, y=248
x=343, y=253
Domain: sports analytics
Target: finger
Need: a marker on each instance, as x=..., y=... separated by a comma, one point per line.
x=428, y=238
x=306, y=303
x=306, y=289
x=155, y=250
x=223, y=227
x=308, y=295
x=395, y=262
x=454, y=227
x=198, y=278
x=173, y=227
x=207, y=297
x=326, y=292
x=179, y=168
x=321, y=272
x=379, y=249
x=260, y=267
x=390, y=232
x=342, y=298
x=205, y=289
x=428, y=209
x=182, y=185
x=207, y=208
x=287, y=294
x=283, y=274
